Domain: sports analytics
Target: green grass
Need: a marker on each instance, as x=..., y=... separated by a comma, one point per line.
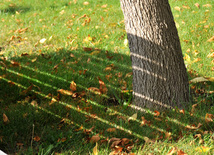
x=36, y=71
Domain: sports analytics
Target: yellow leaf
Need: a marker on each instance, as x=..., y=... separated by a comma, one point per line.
x=95, y=150
x=211, y=39
x=65, y=92
x=133, y=117
x=94, y=52
x=196, y=60
x=210, y=79
x=177, y=8
x=126, y=42
x=211, y=55
x=203, y=149
x=187, y=59
x=42, y=40
x=207, y=5
x=104, y=6
x=85, y=3
x=73, y=86
x=62, y=12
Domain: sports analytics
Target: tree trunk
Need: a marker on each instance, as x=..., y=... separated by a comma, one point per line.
x=159, y=74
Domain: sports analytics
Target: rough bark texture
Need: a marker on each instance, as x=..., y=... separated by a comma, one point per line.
x=159, y=73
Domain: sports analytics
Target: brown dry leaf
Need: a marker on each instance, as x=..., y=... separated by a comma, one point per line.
x=65, y=92
x=108, y=69
x=209, y=118
x=157, y=113
x=24, y=92
x=80, y=128
x=36, y=138
x=113, y=139
x=197, y=5
x=182, y=111
x=95, y=138
x=211, y=39
x=5, y=118
x=124, y=141
x=193, y=127
x=15, y=64
x=180, y=152
x=144, y=121
x=118, y=149
x=86, y=49
x=95, y=150
x=103, y=88
x=63, y=139
x=73, y=86
x=111, y=130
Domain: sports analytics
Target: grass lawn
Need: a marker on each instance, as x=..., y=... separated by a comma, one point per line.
x=66, y=81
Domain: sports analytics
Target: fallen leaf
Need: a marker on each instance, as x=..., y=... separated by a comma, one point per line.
x=104, y=6
x=209, y=117
x=65, y=92
x=80, y=128
x=103, y=89
x=94, y=52
x=95, y=150
x=111, y=130
x=207, y=5
x=95, y=138
x=197, y=5
x=211, y=55
x=42, y=41
x=180, y=152
x=15, y=64
x=172, y=151
x=85, y=3
x=24, y=92
x=211, y=39
x=194, y=127
x=198, y=79
x=87, y=49
x=203, y=149
x=133, y=117
x=36, y=138
x=5, y=118
x=177, y=8
x=157, y=113
x=73, y=86
x=94, y=90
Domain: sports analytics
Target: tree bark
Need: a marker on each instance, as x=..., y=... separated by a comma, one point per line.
x=159, y=74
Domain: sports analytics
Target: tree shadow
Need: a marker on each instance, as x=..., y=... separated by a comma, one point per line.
x=35, y=91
